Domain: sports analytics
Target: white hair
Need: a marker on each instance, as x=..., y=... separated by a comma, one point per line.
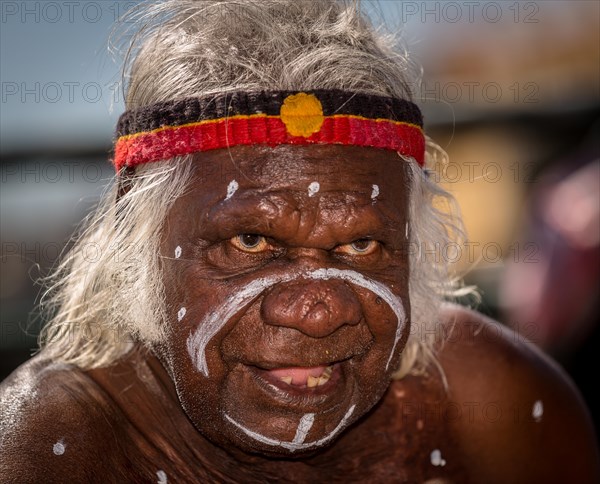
x=107, y=292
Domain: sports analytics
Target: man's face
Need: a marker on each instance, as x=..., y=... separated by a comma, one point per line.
x=286, y=276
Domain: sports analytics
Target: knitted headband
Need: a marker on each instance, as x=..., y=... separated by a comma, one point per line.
x=174, y=128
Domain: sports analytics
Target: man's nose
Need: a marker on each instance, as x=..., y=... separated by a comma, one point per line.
x=316, y=308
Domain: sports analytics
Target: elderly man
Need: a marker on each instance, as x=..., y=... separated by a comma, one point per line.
x=260, y=309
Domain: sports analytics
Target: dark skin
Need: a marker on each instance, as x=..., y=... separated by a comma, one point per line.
x=154, y=410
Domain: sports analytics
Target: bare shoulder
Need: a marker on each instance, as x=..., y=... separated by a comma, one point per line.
x=522, y=419
x=54, y=424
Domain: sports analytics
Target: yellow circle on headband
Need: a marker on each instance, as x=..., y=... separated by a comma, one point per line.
x=302, y=114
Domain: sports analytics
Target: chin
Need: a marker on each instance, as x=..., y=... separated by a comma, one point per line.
x=267, y=414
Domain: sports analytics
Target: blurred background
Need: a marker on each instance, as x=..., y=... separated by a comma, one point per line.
x=510, y=89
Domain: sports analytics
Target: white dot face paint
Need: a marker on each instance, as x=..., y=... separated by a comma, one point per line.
x=436, y=458
x=538, y=410
x=181, y=314
x=304, y=426
x=231, y=189
x=177, y=252
x=162, y=477
x=375, y=192
x=313, y=188
x=213, y=322
x=59, y=448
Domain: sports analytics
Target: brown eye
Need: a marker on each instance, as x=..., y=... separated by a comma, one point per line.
x=250, y=242
x=359, y=247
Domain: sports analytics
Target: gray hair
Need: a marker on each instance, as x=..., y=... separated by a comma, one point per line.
x=107, y=292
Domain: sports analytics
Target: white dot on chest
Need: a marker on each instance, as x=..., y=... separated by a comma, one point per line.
x=375, y=192
x=59, y=448
x=162, y=477
x=537, y=411
x=436, y=458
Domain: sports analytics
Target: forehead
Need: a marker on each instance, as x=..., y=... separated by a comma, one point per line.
x=341, y=170
x=301, y=196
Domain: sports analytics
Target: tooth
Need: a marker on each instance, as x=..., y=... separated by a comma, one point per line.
x=325, y=377
x=286, y=379
x=323, y=380
x=312, y=382
x=327, y=371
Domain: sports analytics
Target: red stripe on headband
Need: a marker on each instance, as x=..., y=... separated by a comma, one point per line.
x=167, y=142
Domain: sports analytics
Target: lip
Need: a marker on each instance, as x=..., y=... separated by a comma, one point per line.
x=292, y=395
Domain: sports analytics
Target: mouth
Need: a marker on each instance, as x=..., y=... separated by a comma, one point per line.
x=277, y=404
x=301, y=385
x=301, y=378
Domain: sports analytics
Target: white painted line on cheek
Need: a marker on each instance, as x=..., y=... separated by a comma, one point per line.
x=293, y=446
x=538, y=410
x=177, y=252
x=181, y=314
x=381, y=290
x=59, y=448
x=212, y=323
x=375, y=192
x=231, y=189
x=313, y=188
x=306, y=423
x=162, y=477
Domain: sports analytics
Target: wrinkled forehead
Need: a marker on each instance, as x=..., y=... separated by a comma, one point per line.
x=380, y=175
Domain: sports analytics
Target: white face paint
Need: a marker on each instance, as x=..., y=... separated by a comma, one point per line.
x=304, y=426
x=181, y=314
x=177, y=252
x=538, y=410
x=231, y=189
x=213, y=322
x=306, y=423
x=313, y=188
x=436, y=458
x=162, y=477
x=59, y=448
x=375, y=192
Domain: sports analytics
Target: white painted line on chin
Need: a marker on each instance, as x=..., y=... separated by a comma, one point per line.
x=294, y=446
x=306, y=423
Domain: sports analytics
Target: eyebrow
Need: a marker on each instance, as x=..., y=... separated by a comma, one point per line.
x=257, y=213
